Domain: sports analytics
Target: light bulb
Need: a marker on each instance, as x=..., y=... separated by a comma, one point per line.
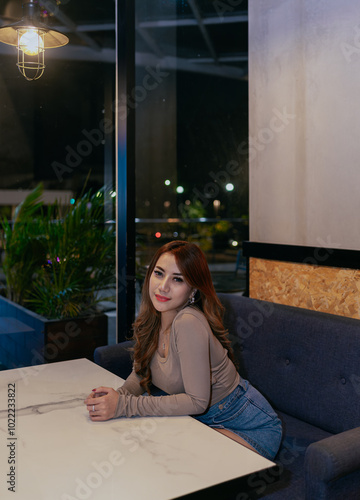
x=31, y=42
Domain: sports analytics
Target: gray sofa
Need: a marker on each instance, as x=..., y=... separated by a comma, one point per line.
x=307, y=364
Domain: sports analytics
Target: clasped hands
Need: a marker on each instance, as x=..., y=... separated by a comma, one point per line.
x=101, y=403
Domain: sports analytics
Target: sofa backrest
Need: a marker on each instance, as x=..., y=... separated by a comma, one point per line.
x=306, y=363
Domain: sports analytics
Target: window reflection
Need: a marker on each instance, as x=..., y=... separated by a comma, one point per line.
x=191, y=131
x=190, y=102
x=58, y=132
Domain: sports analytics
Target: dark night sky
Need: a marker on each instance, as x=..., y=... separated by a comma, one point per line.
x=211, y=125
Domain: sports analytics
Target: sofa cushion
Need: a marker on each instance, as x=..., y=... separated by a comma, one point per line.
x=287, y=482
x=115, y=358
x=306, y=363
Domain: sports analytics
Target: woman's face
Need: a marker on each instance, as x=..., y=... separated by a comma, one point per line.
x=168, y=289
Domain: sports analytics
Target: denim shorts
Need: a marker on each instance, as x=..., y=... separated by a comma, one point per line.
x=247, y=413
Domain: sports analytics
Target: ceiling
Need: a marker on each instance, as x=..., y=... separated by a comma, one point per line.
x=203, y=36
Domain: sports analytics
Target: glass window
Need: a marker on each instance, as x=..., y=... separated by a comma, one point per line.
x=190, y=101
x=58, y=132
x=191, y=104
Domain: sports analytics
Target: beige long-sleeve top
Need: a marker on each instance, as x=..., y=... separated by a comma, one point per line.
x=196, y=373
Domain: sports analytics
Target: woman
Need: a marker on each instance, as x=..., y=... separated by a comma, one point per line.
x=181, y=346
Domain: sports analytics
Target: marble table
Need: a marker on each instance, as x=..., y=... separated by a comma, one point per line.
x=52, y=450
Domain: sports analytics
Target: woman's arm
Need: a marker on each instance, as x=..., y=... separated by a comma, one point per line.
x=192, y=337
x=131, y=385
x=103, y=401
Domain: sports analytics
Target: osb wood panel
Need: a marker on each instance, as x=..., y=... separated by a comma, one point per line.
x=325, y=289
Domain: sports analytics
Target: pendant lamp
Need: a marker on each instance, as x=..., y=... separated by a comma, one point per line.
x=31, y=37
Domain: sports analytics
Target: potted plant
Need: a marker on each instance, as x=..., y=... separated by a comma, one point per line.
x=58, y=262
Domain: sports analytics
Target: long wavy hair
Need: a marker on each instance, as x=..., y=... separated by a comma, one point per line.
x=192, y=264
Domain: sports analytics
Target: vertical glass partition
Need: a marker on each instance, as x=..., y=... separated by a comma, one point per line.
x=58, y=138
x=187, y=165
x=191, y=105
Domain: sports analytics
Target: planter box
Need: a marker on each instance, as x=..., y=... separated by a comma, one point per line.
x=74, y=338
x=27, y=339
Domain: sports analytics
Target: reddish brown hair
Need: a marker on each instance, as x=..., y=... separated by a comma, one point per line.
x=192, y=264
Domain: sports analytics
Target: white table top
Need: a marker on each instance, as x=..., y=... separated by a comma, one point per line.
x=59, y=454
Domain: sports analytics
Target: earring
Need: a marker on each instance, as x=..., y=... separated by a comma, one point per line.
x=192, y=298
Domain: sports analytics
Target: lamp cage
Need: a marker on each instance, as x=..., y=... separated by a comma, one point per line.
x=31, y=37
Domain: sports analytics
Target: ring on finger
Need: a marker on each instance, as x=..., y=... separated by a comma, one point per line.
x=93, y=407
